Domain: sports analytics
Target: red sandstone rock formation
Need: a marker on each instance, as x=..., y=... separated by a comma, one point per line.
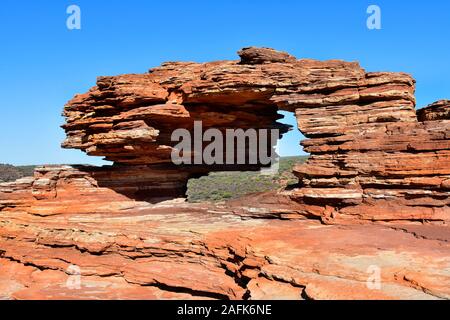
x=439, y=110
x=192, y=251
x=372, y=160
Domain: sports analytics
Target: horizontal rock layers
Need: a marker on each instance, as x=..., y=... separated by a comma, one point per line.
x=382, y=171
x=372, y=157
x=192, y=251
x=57, y=189
x=439, y=110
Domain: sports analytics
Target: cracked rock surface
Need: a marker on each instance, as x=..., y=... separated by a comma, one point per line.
x=198, y=251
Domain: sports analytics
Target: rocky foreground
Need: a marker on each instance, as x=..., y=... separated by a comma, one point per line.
x=371, y=203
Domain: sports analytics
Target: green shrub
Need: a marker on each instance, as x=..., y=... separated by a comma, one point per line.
x=219, y=186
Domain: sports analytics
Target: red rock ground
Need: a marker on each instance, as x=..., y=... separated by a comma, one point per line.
x=194, y=251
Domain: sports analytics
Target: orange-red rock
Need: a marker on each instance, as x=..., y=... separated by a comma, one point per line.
x=368, y=148
x=372, y=159
x=435, y=111
x=196, y=251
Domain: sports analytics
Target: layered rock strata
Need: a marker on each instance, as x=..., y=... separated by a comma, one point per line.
x=385, y=171
x=194, y=251
x=115, y=232
x=372, y=157
x=440, y=110
x=85, y=189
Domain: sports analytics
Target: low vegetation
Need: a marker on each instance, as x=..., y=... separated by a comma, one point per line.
x=10, y=173
x=219, y=186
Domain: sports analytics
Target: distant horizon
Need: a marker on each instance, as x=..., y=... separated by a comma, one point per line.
x=88, y=164
x=44, y=64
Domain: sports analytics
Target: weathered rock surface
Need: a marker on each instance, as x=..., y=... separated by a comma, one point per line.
x=195, y=251
x=373, y=159
x=439, y=110
x=395, y=171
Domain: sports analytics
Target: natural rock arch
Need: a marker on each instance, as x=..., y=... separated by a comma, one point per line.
x=370, y=156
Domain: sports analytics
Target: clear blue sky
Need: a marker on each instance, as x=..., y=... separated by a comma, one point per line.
x=43, y=64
